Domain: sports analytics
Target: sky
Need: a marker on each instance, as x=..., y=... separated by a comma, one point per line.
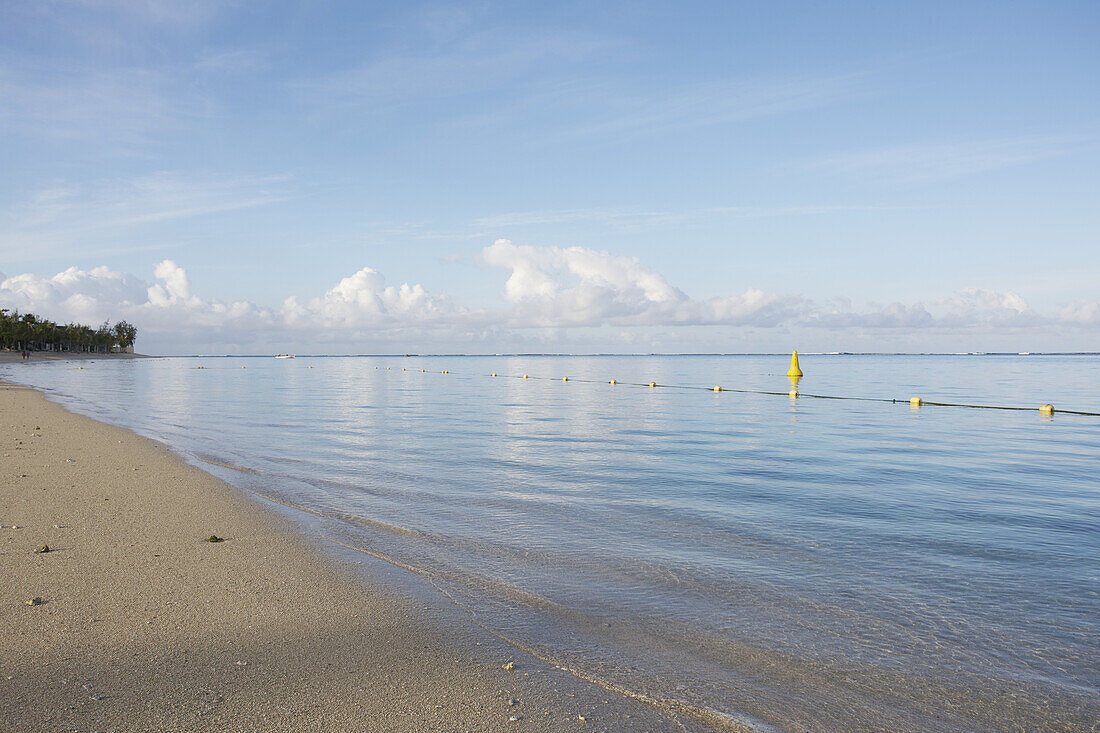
x=333, y=176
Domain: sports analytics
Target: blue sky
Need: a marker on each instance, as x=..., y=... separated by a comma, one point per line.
x=665, y=176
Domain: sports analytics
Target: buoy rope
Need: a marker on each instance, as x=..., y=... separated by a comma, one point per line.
x=800, y=395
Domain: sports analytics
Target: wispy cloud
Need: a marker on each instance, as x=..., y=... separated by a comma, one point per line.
x=719, y=102
x=560, y=216
x=926, y=162
x=120, y=107
x=639, y=219
x=50, y=222
x=174, y=13
x=480, y=63
x=230, y=61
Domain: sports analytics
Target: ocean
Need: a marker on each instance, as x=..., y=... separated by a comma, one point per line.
x=786, y=563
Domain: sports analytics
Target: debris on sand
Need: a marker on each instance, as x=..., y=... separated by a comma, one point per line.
x=43, y=549
x=508, y=666
x=36, y=601
x=215, y=538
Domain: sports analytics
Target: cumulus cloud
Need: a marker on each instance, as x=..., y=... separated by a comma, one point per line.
x=967, y=309
x=92, y=296
x=364, y=300
x=1082, y=313
x=176, y=287
x=546, y=288
x=580, y=286
x=74, y=294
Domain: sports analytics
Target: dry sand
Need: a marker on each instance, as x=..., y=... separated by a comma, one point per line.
x=145, y=626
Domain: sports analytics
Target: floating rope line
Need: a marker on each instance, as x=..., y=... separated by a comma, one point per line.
x=1045, y=410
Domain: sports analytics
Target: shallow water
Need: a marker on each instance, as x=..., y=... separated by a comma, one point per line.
x=796, y=564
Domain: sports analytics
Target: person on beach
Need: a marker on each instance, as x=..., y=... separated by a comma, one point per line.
x=24, y=355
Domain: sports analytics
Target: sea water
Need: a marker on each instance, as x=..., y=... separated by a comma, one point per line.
x=796, y=564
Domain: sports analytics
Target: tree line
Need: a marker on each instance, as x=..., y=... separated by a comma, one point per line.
x=28, y=332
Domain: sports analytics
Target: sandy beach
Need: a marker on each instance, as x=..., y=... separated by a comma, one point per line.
x=13, y=357
x=131, y=621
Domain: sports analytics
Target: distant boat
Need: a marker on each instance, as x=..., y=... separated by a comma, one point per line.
x=284, y=356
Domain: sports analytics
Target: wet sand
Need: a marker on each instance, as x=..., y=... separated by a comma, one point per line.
x=143, y=625
x=11, y=357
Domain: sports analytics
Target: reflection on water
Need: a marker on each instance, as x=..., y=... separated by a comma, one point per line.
x=804, y=564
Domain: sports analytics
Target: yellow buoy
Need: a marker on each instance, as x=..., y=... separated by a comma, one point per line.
x=652, y=384
x=793, y=394
x=612, y=382
x=525, y=376
x=1047, y=409
x=916, y=401
x=794, y=371
x=244, y=367
x=565, y=379
x=717, y=388
x=494, y=374
x=402, y=369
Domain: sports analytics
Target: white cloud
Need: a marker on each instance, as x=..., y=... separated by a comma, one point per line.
x=73, y=295
x=1082, y=313
x=577, y=286
x=968, y=309
x=549, y=292
x=92, y=296
x=580, y=286
x=364, y=300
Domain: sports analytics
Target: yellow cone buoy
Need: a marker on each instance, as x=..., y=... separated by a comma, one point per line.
x=794, y=371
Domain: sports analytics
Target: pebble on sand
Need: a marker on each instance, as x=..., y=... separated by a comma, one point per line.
x=43, y=549
x=508, y=666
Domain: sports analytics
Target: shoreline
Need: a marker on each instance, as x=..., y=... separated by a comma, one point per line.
x=15, y=357
x=145, y=625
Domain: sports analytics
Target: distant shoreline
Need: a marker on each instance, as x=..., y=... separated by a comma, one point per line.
x=13, y=357
x=589, y=355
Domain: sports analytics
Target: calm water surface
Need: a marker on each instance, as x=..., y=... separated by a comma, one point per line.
x=796, y=564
